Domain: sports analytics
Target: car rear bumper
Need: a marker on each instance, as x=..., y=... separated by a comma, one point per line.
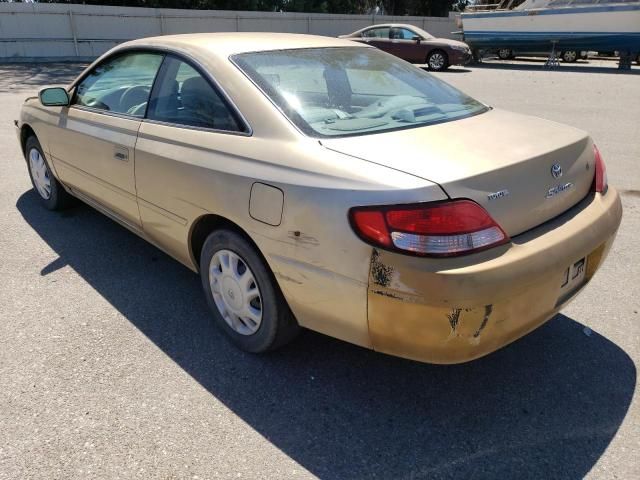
x=458, y=309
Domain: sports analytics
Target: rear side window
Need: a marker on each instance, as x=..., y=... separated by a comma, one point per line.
x=183, y=96
x=376, y=33
x=121, y=84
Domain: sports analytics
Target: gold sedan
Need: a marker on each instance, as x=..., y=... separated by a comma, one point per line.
x=319, y=183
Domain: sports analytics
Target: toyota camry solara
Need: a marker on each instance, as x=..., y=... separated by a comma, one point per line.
x=319, y=183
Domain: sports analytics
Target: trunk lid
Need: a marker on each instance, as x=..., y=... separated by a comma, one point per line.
x=506, y=162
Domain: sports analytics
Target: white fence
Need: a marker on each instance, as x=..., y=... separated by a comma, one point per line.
x=31, y=31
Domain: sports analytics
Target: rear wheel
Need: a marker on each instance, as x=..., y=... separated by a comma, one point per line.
x=52, y=195
x=569, y=56
x=505, y=53
x=242, y=294
x=438, y=61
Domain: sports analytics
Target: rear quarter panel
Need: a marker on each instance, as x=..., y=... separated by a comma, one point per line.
x=319, y=263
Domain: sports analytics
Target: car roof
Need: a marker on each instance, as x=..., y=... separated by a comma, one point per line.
x=413, y=28
x=392, y=25
x=231, y=43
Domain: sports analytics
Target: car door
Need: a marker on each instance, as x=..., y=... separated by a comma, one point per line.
x=93, y=145
x=403, y=45
x=187, y=148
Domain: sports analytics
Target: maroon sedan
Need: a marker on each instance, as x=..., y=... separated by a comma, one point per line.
x=414, y=45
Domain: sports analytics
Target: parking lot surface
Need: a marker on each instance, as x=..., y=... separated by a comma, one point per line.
x=111, y=368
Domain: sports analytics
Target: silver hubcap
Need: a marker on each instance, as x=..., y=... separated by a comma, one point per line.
x=570, y=56
x=436, y=61
x=235, y=292
x=40, y=174
x=504, y=53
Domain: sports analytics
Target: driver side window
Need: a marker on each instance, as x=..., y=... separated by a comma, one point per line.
x=182, y=96
x=121, y=84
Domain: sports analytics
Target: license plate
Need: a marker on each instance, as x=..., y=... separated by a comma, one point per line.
x=574, y=276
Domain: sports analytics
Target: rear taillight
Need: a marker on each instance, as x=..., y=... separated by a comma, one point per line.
x=600, y=183
x=441, y=229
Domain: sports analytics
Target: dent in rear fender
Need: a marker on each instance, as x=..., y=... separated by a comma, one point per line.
x=455, y=310
x=323, y=300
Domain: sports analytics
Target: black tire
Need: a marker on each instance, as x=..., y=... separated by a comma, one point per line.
x=570, y=56
x=638, y=59
x=440, y=65
x=505, y=54
x=277, y=326
x=58, y=198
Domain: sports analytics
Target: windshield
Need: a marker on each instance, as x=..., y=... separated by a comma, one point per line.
x=329, y=92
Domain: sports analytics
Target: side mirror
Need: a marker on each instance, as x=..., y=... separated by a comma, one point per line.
x=416, y=38
x=54, y=97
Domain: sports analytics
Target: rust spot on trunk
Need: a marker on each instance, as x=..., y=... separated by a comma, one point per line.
x=380, y=272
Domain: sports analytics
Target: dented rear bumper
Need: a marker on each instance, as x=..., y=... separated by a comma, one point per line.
x=458, y=309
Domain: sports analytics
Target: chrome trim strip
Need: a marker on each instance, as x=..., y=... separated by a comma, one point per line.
x=192, y=127
x=125, y=116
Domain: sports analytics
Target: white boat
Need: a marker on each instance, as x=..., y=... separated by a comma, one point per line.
x=538, y=25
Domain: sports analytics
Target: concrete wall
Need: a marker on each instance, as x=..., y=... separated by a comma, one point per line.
x=57, y=31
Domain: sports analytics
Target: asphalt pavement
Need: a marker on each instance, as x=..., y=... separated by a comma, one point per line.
x=111, y=368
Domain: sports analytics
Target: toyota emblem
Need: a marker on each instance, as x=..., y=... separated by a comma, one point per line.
x=556, y=170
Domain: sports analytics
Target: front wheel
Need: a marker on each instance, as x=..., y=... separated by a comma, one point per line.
x=243, y=295
x=438, y=61
x=52, y=195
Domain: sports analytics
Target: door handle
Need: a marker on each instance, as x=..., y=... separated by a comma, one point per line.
x=121, y=154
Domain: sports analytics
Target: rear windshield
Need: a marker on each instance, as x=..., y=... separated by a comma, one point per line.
x=345, y=91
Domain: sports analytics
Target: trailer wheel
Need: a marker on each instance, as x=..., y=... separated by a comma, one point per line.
x=569, y=56
x=505, y=54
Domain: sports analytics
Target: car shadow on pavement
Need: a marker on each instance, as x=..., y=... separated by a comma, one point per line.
x=453, y=69
x=545, y=407
x=538, y=65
